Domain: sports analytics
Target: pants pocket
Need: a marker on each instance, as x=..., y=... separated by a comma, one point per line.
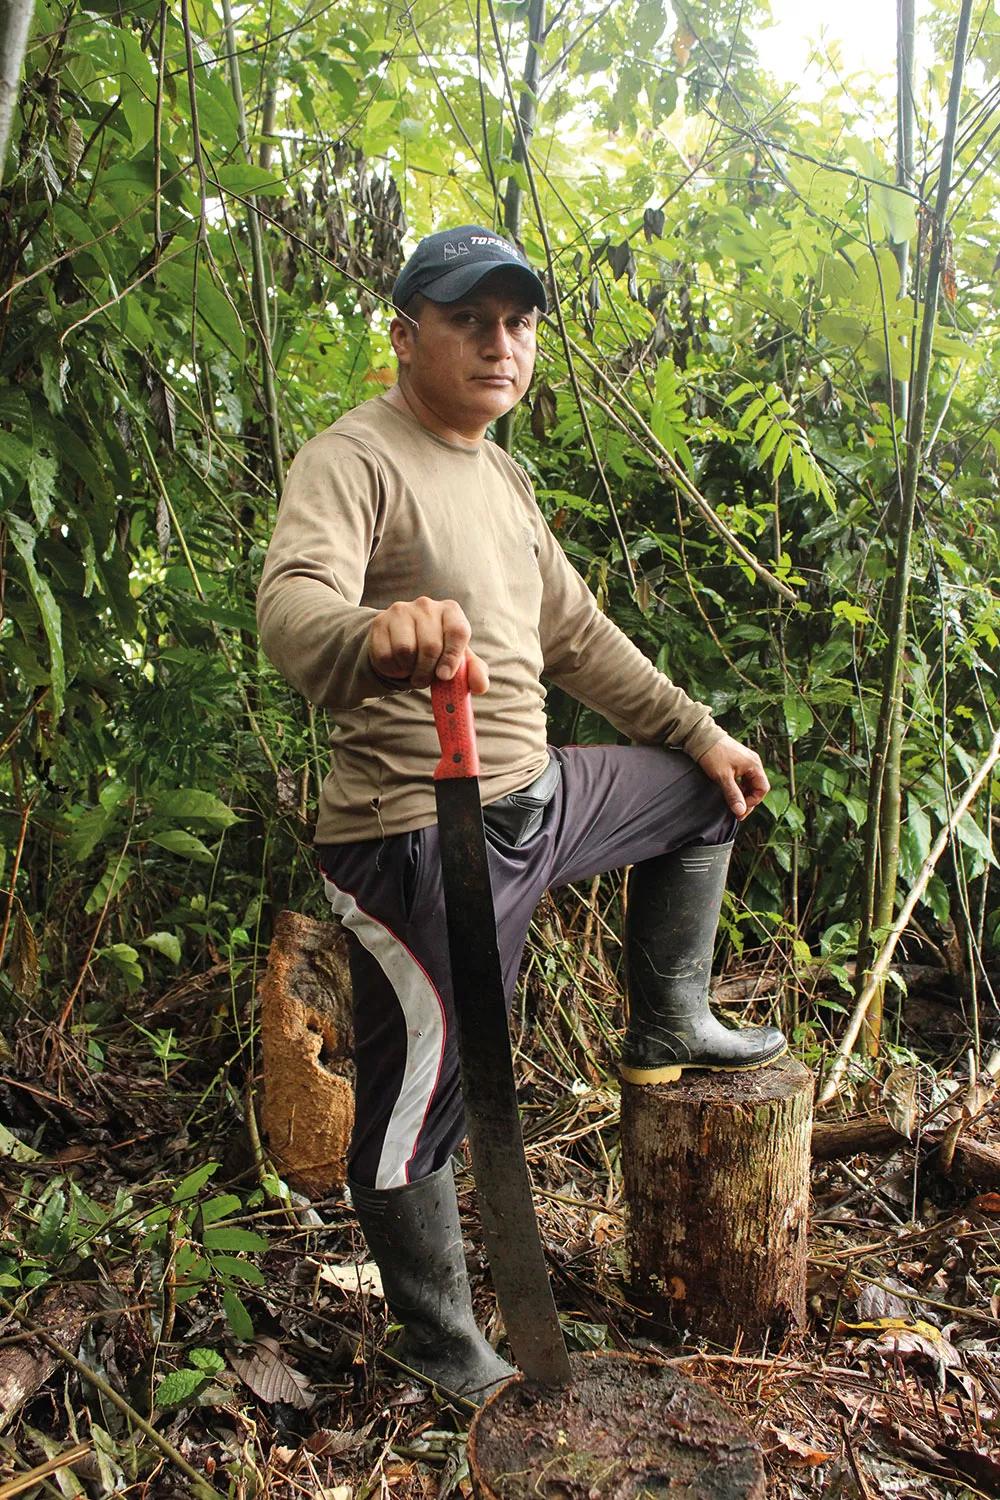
x=412, y=870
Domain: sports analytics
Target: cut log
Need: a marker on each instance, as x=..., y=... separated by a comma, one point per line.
x=975, y=1167
x=64, y=1312
x=307, y=1040
x=716, y=1175
x=833, y=1139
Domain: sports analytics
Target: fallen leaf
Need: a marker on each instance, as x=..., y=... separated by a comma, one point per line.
x=269, y=1377
x=365, y=1278
x=798, y=1450
x=331, y=1442
x=899, y=1339
x=899, y=1099
x=879, y=1302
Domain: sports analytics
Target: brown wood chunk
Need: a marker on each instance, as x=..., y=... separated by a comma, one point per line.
x=716, y=1176
x=627, y=1426
x=307, y=1040
x=63, y=1312
x=834, y=1139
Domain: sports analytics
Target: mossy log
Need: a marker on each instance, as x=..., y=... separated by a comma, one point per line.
x=716, y=1175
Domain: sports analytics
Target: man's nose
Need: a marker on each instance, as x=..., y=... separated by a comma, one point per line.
x=497, y=341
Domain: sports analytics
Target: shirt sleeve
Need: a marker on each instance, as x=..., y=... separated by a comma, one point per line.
x=312, y=624
x=586, y=654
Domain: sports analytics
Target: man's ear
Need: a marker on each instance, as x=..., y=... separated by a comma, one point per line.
x=402, y=332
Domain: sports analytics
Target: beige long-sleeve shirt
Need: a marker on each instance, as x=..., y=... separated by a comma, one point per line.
x=377, y=509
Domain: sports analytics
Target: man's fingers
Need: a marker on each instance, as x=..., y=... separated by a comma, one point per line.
x=755, y=786
x=455, y=635
x=392, y=644
x=420, y=639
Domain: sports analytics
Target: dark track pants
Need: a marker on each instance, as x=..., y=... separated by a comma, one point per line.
x=616, y=805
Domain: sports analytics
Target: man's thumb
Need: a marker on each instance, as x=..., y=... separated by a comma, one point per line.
x=734, y=796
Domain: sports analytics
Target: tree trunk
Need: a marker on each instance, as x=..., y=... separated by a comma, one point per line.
x=15, y=24
x=527, y=109
x=716, y=1173
x=883, y=817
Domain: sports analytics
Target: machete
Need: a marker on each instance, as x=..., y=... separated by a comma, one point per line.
x=510, y=1229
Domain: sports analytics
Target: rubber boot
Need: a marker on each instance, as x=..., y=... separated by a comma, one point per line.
x=415, y=1238
x=673, y=912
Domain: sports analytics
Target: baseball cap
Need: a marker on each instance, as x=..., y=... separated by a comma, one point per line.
x=447, y=265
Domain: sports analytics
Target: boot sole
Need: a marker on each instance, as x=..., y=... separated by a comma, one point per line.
x=672, y=1072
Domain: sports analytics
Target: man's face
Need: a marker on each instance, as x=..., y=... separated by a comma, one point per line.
x=472, y=360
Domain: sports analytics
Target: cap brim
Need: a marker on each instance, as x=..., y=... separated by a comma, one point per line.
x=461, y=279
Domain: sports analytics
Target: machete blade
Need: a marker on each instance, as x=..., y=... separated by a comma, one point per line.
x=510, y=1228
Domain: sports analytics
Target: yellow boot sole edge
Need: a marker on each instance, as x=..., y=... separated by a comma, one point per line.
x=672, y=1073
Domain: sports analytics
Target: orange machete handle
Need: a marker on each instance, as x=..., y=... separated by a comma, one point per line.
x=456, y=729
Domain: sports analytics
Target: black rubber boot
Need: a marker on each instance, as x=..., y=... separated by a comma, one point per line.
x=673, y=912
x=415, y=1238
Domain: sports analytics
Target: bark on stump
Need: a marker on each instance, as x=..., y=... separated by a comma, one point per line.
x=307, y=1041
x=716, y=1174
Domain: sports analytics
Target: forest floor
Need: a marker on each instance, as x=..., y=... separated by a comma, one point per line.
x=107, y=1245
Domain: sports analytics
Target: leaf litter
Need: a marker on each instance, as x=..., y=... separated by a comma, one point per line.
x=893, y=1387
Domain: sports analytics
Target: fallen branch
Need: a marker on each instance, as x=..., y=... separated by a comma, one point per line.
x=884, y=958
x=42, y=1471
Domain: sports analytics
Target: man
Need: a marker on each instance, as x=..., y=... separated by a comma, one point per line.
x=405, y=541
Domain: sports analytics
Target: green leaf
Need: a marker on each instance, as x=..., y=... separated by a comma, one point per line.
x=852, y=613
x=50, y=1224
x=179, y=842
x=207, y=1360
x=219, y=1207
x=227, y=1238
x=898, y=211
x=126, y=961
x=24, y=539
x=249, y=180
x=237, y=1316
x=378, y=113
x=42, y=471
x=798, y=715
x=178, y=1386
x=970, y=834
x=220, y=316
x=117, y=871
x=188, y=805
x=166, y=943
x=191, y=1185
x=15, y=1149
x=229, y=1268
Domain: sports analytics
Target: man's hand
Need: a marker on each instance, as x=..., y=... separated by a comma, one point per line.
x=740, y=774
x=421, y=639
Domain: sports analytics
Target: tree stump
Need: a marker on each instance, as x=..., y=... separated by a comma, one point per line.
x=716, y=1174
x=627, y=1427
x=307, y=1039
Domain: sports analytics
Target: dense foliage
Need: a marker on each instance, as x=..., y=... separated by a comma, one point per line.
x=734, y=338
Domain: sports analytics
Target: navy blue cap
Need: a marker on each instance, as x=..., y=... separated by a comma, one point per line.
x=447, y=265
